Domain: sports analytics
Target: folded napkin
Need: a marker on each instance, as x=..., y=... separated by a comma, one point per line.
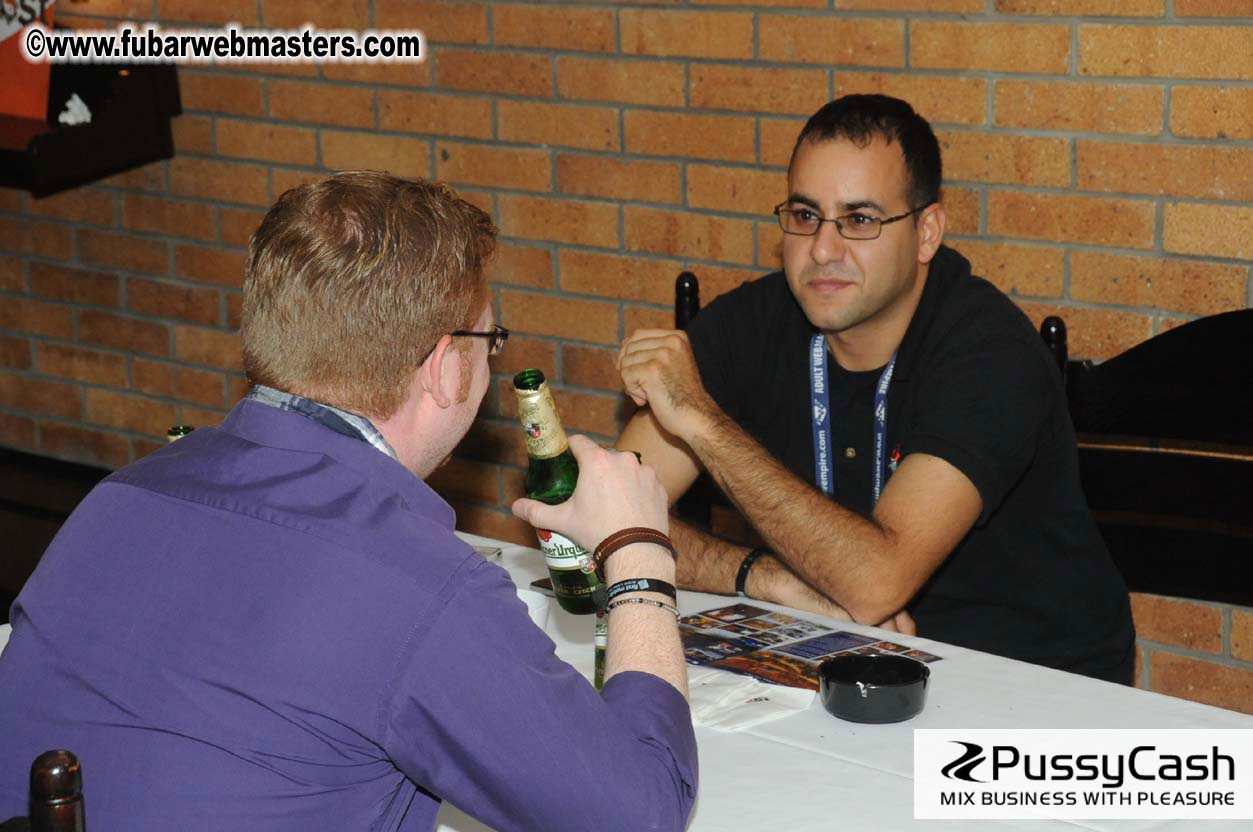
x=727, y=701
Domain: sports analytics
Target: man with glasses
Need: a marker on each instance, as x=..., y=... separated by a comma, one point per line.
x=270, y=625
x=891, y=426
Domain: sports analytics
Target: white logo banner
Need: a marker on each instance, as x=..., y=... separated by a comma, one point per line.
x=1083, y=774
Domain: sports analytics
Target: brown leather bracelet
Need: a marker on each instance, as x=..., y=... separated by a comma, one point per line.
x=625, y=537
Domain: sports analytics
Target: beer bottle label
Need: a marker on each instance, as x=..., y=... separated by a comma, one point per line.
x=562, y=552
x=544, y=436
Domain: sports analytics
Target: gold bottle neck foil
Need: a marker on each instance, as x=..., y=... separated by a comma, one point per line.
x=545, y=438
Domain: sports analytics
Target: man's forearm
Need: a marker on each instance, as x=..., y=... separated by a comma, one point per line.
x=644, y=637
x=711, y=564
x=706, y=563
x=837, y=552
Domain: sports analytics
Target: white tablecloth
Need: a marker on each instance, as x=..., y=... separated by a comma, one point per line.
x=811, y=771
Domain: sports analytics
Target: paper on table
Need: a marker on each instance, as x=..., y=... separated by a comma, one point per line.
x=728, y=701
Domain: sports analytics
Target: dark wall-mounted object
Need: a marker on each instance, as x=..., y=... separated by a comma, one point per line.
x=1053, y=330
x=131, y=108
x=686, y=299
x=1166, y=457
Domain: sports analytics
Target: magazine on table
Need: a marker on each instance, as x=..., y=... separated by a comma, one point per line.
x=772, y=646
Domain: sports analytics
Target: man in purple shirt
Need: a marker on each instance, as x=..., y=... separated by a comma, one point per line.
x=270, y=625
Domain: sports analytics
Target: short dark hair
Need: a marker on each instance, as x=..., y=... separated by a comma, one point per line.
x=862, y=118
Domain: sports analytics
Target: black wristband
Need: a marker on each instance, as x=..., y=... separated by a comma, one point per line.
x=741, y=577
x=641, y=585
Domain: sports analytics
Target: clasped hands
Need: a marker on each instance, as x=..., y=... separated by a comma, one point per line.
x=659, y=370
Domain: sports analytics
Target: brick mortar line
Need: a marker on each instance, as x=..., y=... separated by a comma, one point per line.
x=1226, y=660
x=644, y=304
x=1225, y=614
x=122, y=306
x=626, y=156
x=85, y=386
x=1073, y=24
x=1055, y=190
x=156, y=236
x=114, y=271
x=633, y=254
x=984, y=236
x=40, y=418
x=1066, y=275
x=119, y=352
x=553, y=52
x=991, y=186
x=1159, y=229
x=738, y=63
x=989, y=12
x=1135, y=139
x=688, y=109
x=1200, y=602
x=1022, y=242
x=42, y=375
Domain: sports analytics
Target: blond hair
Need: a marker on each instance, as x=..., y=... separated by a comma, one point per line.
x=350, y=282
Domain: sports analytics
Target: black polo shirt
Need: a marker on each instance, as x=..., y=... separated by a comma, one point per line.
x=975, y=386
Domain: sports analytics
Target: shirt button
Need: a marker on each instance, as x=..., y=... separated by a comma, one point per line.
x=850, y=453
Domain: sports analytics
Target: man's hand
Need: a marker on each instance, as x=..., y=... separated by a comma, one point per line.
x=770, y=580
x=659, y=370
x=902, y=623
x=614, y=492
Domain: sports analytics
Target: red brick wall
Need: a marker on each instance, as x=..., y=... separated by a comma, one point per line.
x=1195, y=650
x=1098, y=155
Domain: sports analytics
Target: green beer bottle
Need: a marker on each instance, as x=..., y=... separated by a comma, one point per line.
x=550, y=478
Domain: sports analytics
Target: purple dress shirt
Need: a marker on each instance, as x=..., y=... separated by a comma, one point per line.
x=271, y=626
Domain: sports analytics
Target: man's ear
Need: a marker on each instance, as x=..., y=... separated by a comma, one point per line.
x=930, y=231
x=440, y=375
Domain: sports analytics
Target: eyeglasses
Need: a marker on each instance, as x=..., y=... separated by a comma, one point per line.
x=499, y=336
x=806, y=222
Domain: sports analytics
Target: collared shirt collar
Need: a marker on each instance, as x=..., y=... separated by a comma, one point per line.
x=340, y=421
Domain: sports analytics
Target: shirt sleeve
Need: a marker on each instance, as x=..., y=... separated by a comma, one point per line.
x=981, y=407
x=484, y=715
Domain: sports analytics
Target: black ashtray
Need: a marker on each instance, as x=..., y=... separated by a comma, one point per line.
x=873, y=688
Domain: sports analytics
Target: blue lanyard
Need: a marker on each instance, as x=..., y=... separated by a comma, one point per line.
x=820, y=398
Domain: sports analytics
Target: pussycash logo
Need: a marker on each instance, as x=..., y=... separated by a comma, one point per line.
x=965, y=764
x=1144, y=763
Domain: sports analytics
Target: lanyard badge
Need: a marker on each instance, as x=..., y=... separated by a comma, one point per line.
x=820, y=399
